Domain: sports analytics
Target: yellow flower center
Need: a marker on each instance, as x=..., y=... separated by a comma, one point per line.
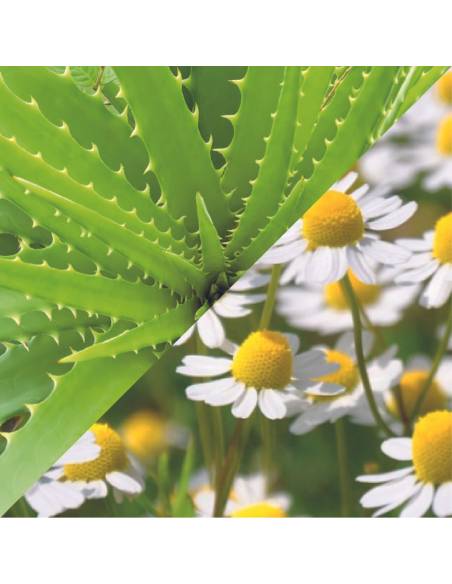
x=145, y=434
x=411, y=385
x=335, y=220
x=264, y=360
x=263, y=509
x=444, y=88
x=367, y=293
x=442, y=242
x=444, y=136
x=432, y=448
x=112, y=457
x=347, y=375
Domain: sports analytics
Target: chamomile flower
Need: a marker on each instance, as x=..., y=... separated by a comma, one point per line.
x=340, y=231
x=432, y=262
x=419, y=144
x=428, y=482
x=50, y=496
x=410, y=385
x=325, y=309
x=383, y=373
x=146, y=434
x=233, y=304
x=82, y=475
x=248, y=498
x=264, y=372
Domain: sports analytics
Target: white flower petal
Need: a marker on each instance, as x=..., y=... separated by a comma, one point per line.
x=399, y=491
x=398, y=448
x=125, y=482
x=211, y=330
x=203, y=366
x=346, y=182
x=442, y=503
x=386, y=252
x=244, y=406
x=226, y=395
x=95, y=490
x=202, y=391
x=386, y=476
x=185, y=337
x=84, y=450
x=438, y=290
x=271, y=404
x=360, y=266
x=420, y=503
x=394, y=219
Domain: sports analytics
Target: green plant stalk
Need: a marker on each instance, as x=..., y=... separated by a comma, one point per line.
x=268, y=444
x=441, y=350
x=211, y=431
x=381, y=342
x=231, y=465
x=342, y=459
x=218, y=440
x=267, y=434
x=163, y=485
x=358, y=336
x=267, y=311
x=202, y=415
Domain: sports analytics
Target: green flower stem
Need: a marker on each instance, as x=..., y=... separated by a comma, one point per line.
x=358, y=336
x=267, y=311
x=211, y=434
x=218, y=439
x=231, y=465
x=342, y=459
x=203, y=417
x=268, y=442
x=441, y=350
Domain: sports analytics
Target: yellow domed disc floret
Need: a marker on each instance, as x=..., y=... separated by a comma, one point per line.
x=264, y=360
x=112, y=457
x=411, y=385
x=335, y=220
x=263, y=509
x=145, y=434
x=444, y=136
x=442, y=242
x=444, y=88
x=367, y=294
x=432, y=448
x=347, y=375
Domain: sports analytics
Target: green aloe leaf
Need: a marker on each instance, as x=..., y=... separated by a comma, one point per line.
x=129, y=200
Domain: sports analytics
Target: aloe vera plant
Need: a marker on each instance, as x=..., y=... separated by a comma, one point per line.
x=132, y=198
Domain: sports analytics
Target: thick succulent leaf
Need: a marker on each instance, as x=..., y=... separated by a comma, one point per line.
x=211, y=246
x=89, y=121
x=94, y=293
x=165, y=267
x=16, y=222
x=341, y=136
x=314, y=84
x=260, y=89
x=120, y=167
x=23, y=317
x=74, y=233
x=274, y=166
x=47, y=154
x=216, y=97
x=162, y=329
x=57, y=422
x=179, y=156
x=425, y=78
x=26, y=371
